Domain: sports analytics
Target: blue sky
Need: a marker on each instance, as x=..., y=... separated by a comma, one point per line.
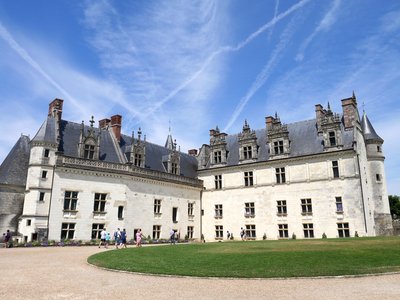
x=198, y=64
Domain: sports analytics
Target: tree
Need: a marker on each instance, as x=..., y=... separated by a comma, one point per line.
x=394, y=202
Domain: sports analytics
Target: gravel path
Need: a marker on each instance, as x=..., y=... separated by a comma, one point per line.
x=62, y=273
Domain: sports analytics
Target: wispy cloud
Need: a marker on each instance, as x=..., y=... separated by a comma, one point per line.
x=325, y=24
x=267, y=70
x=6, y=36
x=275, y=14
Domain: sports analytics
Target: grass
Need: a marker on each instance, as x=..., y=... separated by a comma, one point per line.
x=260, y=259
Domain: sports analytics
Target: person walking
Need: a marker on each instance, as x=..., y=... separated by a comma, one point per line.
x=7, y=239
x=172, y=236
x=139, y=238
x=108, y=238
x=103, y=235
x=117, y=238
x=123, y=239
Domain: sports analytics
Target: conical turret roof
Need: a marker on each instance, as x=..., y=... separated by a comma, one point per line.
x=14, y=168
x=368, y=130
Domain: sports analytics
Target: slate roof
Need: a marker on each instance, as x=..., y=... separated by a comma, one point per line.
x=70, y=135
x=368, y=130
x=47, y=132
x=14, y=168
x=303, y=136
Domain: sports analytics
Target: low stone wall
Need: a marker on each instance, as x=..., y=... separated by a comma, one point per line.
x=396, y=227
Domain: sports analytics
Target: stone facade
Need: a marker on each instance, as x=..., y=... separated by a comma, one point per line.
x=313, y=178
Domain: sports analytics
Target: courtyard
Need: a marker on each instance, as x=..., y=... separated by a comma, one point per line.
x=63, y=273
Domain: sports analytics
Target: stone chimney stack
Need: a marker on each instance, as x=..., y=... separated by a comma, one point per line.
x=192, y=152
x=319, y=114
x=212, y=132
x=350, y=111
x=55, y=109
x=116, y=122
x=104, y=123
x=268, y=121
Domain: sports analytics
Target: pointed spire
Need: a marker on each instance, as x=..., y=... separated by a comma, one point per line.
x=354, y=95
x=133, y=136
x=91, y=121
x=139, y=133
x=368, y=129
x=329, y=106
x=276, y=115
x=216, y=128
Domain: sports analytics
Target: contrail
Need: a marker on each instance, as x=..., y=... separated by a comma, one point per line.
x=224, y=49
x=264, y=74
x=25, y=56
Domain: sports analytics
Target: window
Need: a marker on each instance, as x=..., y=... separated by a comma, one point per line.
x=46, y=153
x=44, y=174
x=99, y=202
x=190, y=208
x=283, y=231
x=282, y=208
x=343, y=229
x=138, y=159
x=306, y=207
x=308, y=230
x=218, y=182
x=278, y=147
x=89, y=152
x=219, y=231
x=175, y=214
x=41, y=196
x=218, y=211
x=70, y=200
x=280, y=175
x=378, y=149
x=156, y=232
x=96, y=231
x=247, y=152
x=217, y=157
x=251, y=231
x=335, y=169
x=67, y=231
x=249, y=209
x=378, y=177
x=28, y=222
x=339, y=205
x=174, y=168
x=332, y=138
x=157, y=206
x=120, y=212
x=248, y=178
x=190, y=230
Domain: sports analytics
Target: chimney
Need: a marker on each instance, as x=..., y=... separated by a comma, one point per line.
x=319, y=114
x=350, y=111
x=268, y=121
x=192, y=152
x=104, y=123
x=212, y=132
x=116, y=121
x=55, y=109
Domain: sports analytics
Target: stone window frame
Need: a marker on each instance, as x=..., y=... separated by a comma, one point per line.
x=70, y=201
x=247, y=152
x=218, y=181
x=219, y=232
x=281, y=206
x=218, y=211
x=157, y=206
x=335, y=169
x=306, y=206
x=67, y=231
x=308, y=230
x=278, y=147
x=190, y=209
x=97, y=228
x=217, y=156
x=156, y=232
x=339, y=205
x=89, y=150
x=343, y=229
x=283, y=231
x=190, y=232
x=332, y=138
x=280, y=174
x=120, y=212
x=100, y=201
x=248, y=178
x=249, y=209
x=251, y=231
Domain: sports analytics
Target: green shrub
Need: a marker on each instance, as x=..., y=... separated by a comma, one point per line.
x=264, y=236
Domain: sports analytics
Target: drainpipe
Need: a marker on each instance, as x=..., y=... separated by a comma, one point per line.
x=51, y=195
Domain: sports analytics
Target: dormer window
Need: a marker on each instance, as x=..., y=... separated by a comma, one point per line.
x=89, y=152
x=247, y=152
x=278, y=147
x=89, y=142
x=217, y=157
x=174, y=168
x=332, y=138
x=138, y=160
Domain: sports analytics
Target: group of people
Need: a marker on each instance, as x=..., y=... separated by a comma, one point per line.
x=7, y=239
x=243, y=235
x=119, y=238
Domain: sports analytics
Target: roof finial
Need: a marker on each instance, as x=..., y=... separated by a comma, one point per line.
x=363, y=107
x=329, y=106
x=169, y=126
x=354, y=95
x=276, y=115
x=139, y=133
x=91, y=122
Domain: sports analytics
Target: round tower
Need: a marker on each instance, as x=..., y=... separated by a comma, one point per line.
x=378, y=195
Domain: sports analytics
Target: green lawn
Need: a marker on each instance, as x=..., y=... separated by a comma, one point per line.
x=260, y=259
